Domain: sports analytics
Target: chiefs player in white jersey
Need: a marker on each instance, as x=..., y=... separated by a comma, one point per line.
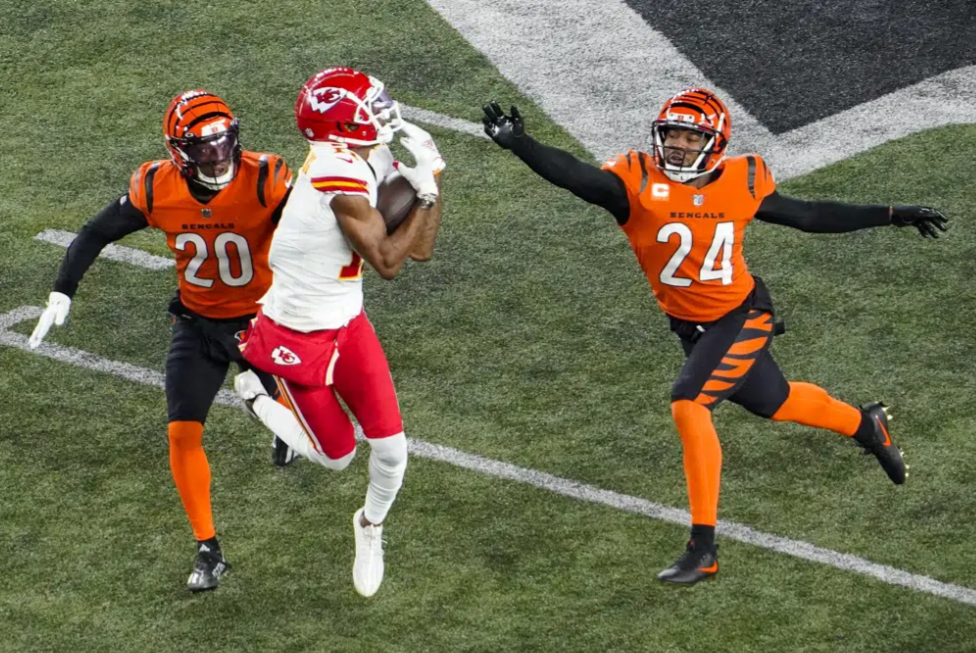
x=312, y=333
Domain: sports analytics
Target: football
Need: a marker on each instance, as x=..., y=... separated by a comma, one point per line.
x=395, y=198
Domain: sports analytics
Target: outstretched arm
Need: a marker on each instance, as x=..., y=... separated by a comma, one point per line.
x=838, y=217
x=558, y=167
x=119, y=218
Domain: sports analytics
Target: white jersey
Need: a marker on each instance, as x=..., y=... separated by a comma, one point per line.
x=318, y=278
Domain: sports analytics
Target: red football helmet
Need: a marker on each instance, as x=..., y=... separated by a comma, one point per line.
x=201, y=134
x=699, y=110
x=346, y=106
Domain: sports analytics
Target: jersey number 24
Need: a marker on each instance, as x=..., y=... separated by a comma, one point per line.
x=721, y=245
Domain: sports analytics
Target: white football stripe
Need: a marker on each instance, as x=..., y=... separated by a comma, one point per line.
x=595, y=67
x=535, y=478
x=113, y=252
x=935, y=102
x=440, y=120
x=601, y=72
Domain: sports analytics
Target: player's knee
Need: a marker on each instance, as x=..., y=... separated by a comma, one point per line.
x=336, y=464
x=390, y=453
x=767, y=405
x=185, y=434
x=766, y=409
x=683, y=390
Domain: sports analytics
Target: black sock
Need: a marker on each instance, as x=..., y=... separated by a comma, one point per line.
x=212, y=543
x=702, y=537
x=865, y=430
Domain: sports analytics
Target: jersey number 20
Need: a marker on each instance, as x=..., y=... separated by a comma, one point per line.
x=721, y=245
x=223, y=258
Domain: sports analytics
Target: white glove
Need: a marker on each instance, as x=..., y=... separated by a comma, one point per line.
x=429, y=161
x=58, y=305
x=426, y=141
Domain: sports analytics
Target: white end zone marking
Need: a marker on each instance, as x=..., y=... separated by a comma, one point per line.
x=603, y=73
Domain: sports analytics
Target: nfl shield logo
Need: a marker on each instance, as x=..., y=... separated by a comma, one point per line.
x=205, y=213
x=698, y=200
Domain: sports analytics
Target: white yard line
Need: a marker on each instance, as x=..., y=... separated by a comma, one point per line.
x=535, y=478
x=602, y=73
x=447, y=122
x=114, y=252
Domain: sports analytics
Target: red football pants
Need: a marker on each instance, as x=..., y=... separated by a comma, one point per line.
x=314, y=370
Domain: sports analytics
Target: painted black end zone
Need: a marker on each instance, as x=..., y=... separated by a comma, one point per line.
x=792, y=63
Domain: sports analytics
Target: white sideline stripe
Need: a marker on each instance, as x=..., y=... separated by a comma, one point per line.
x=447, y=122
x=602, y=73
x=114, y=252
x=542, y=480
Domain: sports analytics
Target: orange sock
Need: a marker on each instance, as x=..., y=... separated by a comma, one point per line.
x=191, y=472
x=702, y=458
x=810, y=405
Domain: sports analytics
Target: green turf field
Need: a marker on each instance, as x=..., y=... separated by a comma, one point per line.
x=531, y=338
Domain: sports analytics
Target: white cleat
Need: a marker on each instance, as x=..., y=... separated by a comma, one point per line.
x=248, y=387
x=367, y=570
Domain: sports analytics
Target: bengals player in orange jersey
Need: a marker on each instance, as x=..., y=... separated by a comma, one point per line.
x=684, y=208
x=218, y=206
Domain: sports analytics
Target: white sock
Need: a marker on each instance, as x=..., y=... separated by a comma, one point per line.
x=286, y=426
x=387, y=464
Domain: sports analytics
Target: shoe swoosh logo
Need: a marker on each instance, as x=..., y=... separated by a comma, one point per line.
x=887, y=440
x=709, y=570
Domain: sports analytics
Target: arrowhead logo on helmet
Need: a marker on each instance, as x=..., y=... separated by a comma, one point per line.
x=323, y=99
x=342, y=105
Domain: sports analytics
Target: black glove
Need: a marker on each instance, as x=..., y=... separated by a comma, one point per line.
x=503, y=129
x=928, y=221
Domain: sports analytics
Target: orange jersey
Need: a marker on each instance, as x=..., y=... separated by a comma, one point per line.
x=221, y=247
x=689, y=240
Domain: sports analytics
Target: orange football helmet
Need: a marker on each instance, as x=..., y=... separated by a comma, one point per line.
x=200, y=130
x=699, y=110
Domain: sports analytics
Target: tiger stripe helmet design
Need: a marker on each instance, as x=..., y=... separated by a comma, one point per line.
x=702, y=111
x=202, y=135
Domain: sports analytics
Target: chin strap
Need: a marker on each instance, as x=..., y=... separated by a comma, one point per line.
x=217, y=183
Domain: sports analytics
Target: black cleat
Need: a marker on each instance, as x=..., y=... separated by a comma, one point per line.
x=695, y=564
x=208, y=568
x=878, y=442
x=281, y=454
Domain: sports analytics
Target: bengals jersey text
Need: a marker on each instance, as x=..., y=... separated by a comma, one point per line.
x=221, y=246
x=689, y=240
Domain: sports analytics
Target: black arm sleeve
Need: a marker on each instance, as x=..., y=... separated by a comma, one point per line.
x=116, y=220
x=822, y=217
x=584, y=180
